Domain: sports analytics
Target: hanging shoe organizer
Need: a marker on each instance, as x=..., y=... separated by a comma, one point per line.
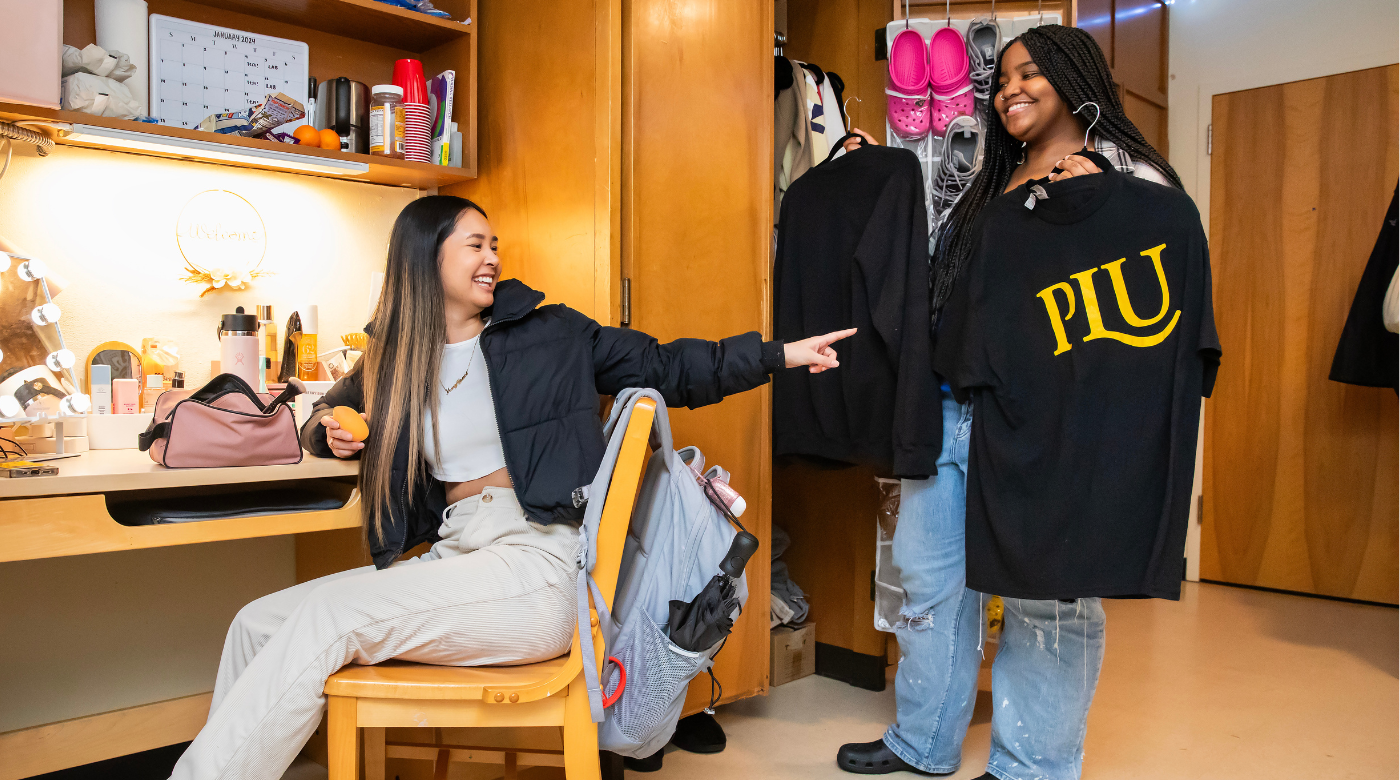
x=929, y=148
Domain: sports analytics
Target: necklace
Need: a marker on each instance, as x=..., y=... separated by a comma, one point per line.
x=469, y=368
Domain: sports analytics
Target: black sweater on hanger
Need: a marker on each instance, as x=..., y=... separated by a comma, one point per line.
x=1367, y=352
x=853, y=252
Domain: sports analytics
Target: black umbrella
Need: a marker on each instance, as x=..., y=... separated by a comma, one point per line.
x=701, y=623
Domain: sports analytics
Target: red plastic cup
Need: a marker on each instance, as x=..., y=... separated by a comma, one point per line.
x=408, y=75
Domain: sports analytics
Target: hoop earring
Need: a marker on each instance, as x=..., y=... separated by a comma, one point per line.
x=1022, y=161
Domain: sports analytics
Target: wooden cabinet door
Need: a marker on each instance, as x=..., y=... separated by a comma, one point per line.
x=696, y=214
x=1300, y=472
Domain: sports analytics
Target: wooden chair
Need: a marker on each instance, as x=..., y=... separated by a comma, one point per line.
x=397, y=694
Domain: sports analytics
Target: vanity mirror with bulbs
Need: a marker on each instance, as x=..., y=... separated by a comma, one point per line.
x=42, y=404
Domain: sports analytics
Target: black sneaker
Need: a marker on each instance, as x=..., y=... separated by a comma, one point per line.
x=872, y=758
x=699, y=733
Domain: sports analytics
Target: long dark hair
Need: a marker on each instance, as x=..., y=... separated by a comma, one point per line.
x=1071, y=59
x=405, y=352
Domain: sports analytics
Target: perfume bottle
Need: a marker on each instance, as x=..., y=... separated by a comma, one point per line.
x=306, y=347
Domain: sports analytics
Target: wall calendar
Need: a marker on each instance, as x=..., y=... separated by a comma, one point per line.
x=200, y=69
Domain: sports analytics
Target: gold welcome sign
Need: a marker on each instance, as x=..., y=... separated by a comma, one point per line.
x=222, y=239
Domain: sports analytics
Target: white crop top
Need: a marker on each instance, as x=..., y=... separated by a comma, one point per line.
x=471, y=442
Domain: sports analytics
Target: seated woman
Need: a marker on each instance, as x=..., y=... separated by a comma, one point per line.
x=482, y=408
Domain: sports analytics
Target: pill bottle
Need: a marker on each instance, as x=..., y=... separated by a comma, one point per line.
x=386, y=122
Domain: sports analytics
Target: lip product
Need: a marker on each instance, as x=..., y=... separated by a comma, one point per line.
x=306, y=347
x=101, y=389
x=125, y=395
x=238, y=346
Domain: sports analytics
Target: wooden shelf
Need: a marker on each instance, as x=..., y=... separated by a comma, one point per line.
x=382, y=170
x=363, y=20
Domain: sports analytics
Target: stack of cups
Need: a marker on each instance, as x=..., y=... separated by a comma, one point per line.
x=408, y=75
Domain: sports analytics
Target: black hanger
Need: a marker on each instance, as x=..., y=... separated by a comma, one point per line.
x=782, y=74
x=842, y=143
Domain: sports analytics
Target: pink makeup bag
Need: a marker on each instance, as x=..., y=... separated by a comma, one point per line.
x=224, y=423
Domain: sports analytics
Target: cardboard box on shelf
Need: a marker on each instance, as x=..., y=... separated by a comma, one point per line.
x=792, y=653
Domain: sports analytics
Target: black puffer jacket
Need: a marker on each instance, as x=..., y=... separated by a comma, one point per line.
x=551, y=363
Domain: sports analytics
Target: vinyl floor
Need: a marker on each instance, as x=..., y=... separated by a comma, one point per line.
x=1227, y=684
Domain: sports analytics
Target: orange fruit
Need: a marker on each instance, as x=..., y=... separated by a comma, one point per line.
x=351, y=421
x=307, y=135
x=329, y=140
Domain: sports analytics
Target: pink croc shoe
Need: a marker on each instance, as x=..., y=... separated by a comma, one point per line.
x=908, y=106
x=950, y=77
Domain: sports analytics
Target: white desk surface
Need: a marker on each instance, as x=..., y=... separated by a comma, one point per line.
x=104, y=471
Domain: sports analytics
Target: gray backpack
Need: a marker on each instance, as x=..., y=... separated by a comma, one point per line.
x=675, y=544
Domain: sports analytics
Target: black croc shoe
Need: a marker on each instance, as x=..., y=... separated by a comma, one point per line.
x=872, y=758
x=699, y=733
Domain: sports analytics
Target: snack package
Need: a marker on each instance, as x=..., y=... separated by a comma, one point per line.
x=227, y=122
x=277, y=110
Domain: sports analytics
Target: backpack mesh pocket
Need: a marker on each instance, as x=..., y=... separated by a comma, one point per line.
x=658, y=674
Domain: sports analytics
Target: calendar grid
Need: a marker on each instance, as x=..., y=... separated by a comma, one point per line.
x=200, y=69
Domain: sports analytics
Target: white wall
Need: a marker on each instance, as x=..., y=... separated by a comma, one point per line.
x=1229, y=45
x=106, y=222
x=1220, y=46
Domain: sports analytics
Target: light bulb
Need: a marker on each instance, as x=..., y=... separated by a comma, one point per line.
x=57, y=361
x=9, y=406
x=4, y=262
x=32, y=270
x=76, y=403
x=46, y=314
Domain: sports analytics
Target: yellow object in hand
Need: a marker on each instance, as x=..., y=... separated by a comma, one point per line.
x=350, y=420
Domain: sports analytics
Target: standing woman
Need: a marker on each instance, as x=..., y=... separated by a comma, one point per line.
x=1039, y=720
x=483, y=421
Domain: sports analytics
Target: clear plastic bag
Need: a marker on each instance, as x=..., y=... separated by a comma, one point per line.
x=889, y=596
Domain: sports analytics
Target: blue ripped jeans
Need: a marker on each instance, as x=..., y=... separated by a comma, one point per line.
x=1047, y=664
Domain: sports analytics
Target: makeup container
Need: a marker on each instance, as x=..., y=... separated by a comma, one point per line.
x=126, y=395
x=306, y=347
x=101, y=390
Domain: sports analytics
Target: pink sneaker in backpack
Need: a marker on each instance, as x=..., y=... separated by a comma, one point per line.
x=950, y=77
x=907, y=101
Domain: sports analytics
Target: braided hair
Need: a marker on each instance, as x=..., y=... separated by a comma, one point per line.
x=1073, y=62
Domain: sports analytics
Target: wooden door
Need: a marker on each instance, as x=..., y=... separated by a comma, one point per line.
x=696, y=220
x=1300, y=472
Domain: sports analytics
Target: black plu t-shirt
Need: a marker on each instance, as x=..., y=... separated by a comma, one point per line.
x=1083, y=330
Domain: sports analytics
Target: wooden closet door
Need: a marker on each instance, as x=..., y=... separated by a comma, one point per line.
x=1300, y=472
x=696, y=210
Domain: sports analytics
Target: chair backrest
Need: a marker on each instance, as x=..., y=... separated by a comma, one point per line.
x=621, y=497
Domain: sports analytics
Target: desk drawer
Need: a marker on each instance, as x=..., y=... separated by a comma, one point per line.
x=55, y=526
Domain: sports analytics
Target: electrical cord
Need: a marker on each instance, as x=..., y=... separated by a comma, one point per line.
x=13, y=131
x=18, y=451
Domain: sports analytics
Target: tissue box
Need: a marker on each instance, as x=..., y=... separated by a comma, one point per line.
x=792, y=653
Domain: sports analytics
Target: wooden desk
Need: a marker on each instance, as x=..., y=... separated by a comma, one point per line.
x=66, y=514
